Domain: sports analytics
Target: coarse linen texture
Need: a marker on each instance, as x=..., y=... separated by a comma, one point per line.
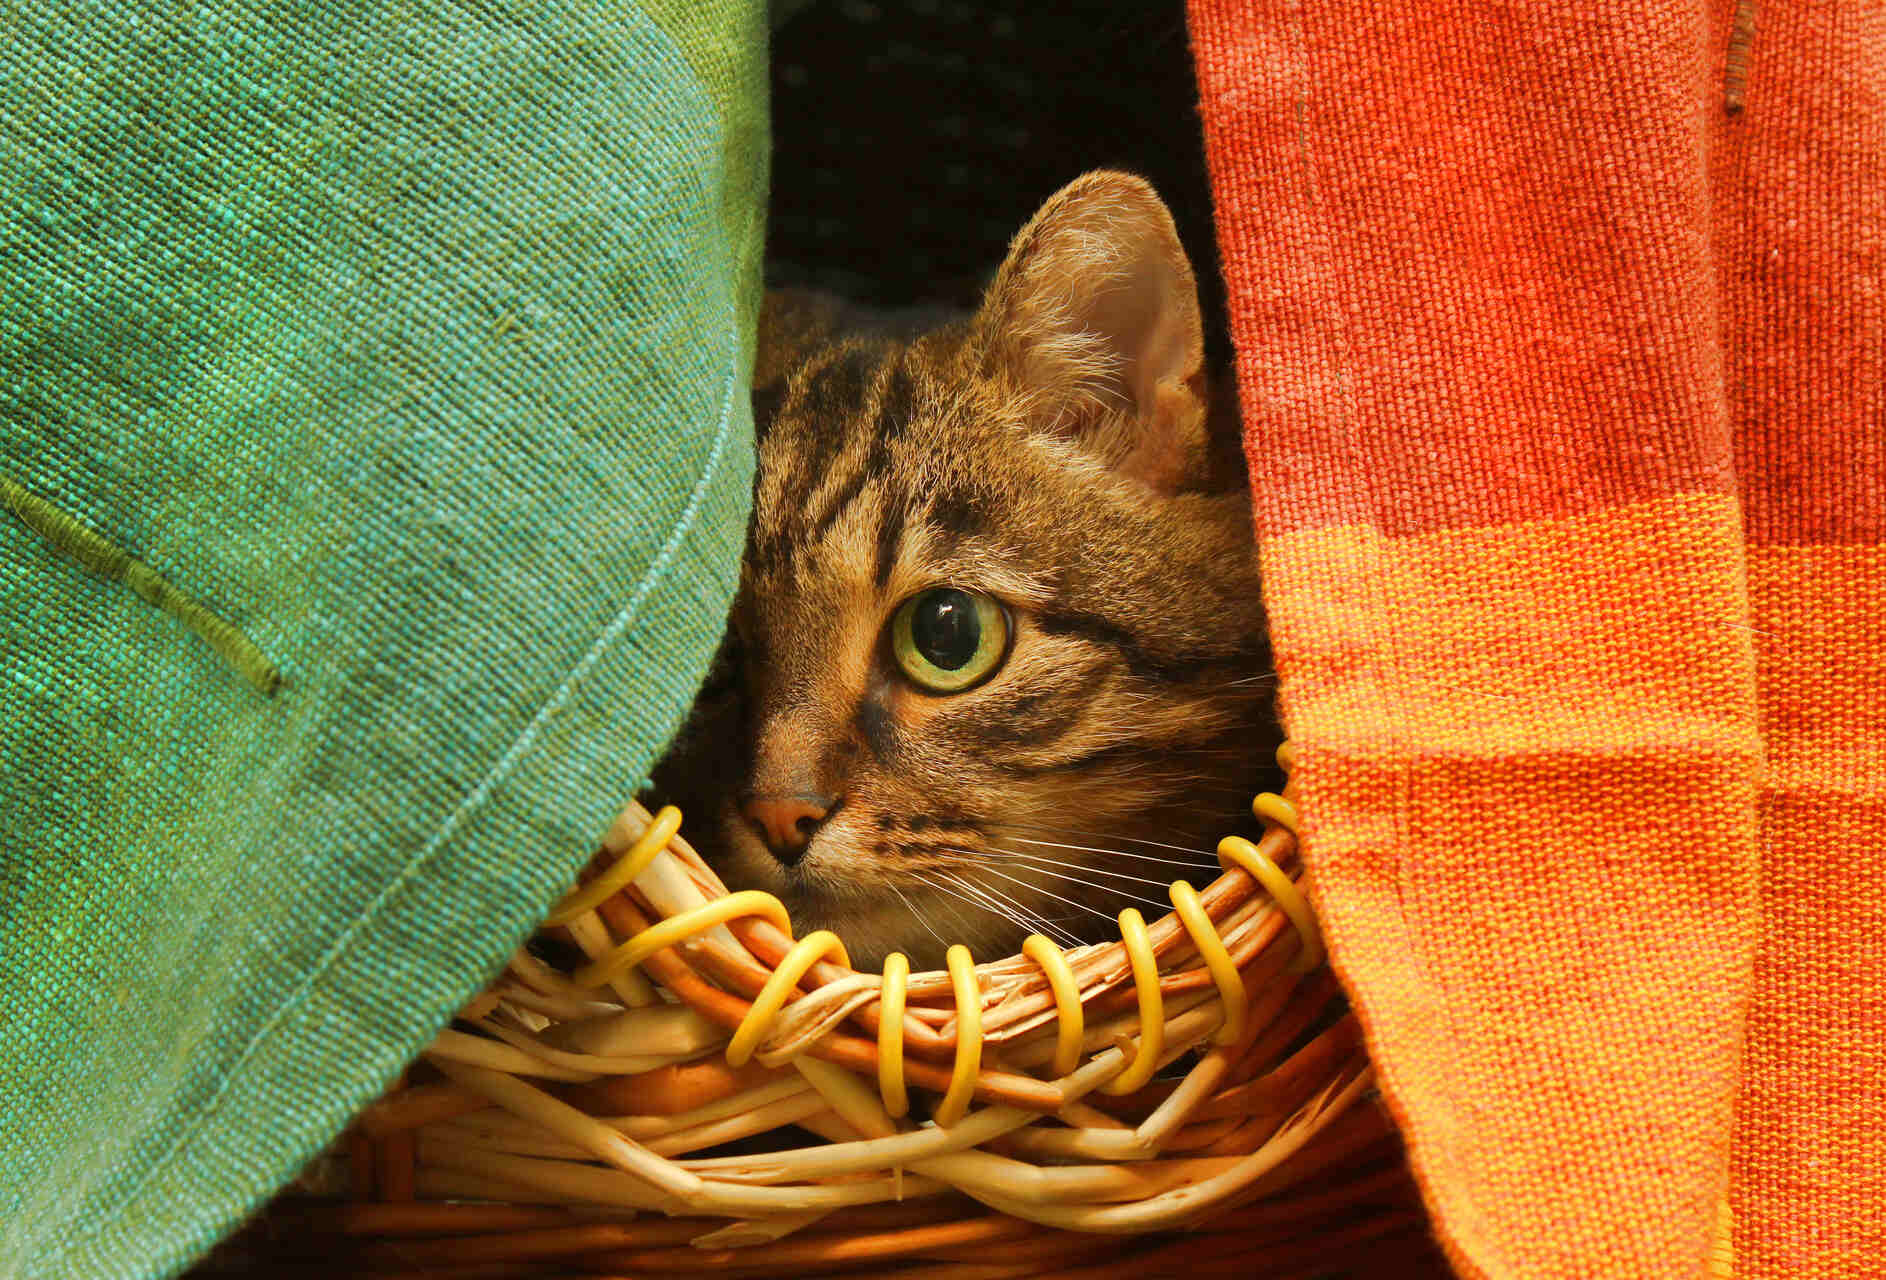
x=375, y=446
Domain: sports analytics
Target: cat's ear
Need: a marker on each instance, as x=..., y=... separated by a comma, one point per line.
x=1095, y=315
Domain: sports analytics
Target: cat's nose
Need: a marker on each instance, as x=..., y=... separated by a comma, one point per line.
x=788, y=822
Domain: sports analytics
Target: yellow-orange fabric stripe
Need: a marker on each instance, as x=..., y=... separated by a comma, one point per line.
x=1529, y=798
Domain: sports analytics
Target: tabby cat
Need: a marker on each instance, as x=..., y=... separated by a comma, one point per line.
x=997, y=662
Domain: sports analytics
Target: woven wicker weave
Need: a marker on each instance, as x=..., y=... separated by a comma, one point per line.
x=1197, y=1086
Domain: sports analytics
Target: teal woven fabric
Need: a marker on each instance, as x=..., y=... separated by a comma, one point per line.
x=375, y=454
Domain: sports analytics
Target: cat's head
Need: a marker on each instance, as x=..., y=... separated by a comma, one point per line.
x=998, y=651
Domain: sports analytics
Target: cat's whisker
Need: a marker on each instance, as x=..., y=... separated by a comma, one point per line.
x=934, y=887
x=1042, y=889
x=964, y=924
x=1113, y=890
x=1027, y=914
x=1150, y=864
x=1080, y=866
x=1182, y=786
x=1080, y=834
x=1031, y=862
x=1005, y=904
x=950, y=907
x=1001, y=906
x=921, y=918
x=1197, y=856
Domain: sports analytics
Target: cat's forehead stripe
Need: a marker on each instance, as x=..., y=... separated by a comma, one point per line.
x=837, y=430
x=889, y=540
x=861, y=390
x=827, y=393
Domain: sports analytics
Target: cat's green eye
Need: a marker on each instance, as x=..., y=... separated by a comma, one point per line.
x=946, y=640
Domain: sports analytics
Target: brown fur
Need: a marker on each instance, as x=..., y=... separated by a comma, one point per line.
x=1061, y=451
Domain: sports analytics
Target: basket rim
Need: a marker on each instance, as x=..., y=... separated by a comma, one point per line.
x=1043, y=1061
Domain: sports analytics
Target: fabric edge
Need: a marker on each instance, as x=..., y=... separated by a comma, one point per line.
x=175, y=1177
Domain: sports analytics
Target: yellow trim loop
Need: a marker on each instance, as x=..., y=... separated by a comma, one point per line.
x=1273, y=810
x=968, y=1038
x=622, y=871
x=793, y=966
x=891, y=1035
x=1211, y=949
x=1236, y=851
x=1070, y=1014
x=664, y=934
x=1152, y=1008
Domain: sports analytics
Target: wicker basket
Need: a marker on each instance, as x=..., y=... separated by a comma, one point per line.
x=1197, y=1087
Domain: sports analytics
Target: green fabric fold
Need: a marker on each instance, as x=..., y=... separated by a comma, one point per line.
x=408, y=347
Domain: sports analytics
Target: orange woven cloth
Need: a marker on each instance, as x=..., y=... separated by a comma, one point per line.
x=1564, y=400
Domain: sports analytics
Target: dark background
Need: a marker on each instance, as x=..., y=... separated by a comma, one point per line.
x=913, y=139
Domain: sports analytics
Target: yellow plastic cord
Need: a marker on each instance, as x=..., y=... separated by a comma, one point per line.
x=891, y=1035
x=1287, y=756
x=1211, y=949
x=619, y=873
x=1070, y=1015
x=1152, y=1007
x=968, y=1038
x=664, y=934
x=1236, y=851
x=1273, y=810
x=805, y=953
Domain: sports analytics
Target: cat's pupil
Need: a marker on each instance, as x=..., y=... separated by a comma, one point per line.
x=945, y=628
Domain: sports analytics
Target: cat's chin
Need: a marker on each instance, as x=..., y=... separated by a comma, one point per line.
x=872, y=932
x=875, y=912
x=871, y=919
x=901, y=918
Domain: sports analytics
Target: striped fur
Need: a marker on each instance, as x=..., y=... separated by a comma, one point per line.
x=1033, y=453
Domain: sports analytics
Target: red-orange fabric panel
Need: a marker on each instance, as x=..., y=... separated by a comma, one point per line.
x=1799, y=192
x=1468, y=253
x=1565, y=397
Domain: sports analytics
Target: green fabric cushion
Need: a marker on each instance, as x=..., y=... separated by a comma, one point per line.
x=376, y=444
